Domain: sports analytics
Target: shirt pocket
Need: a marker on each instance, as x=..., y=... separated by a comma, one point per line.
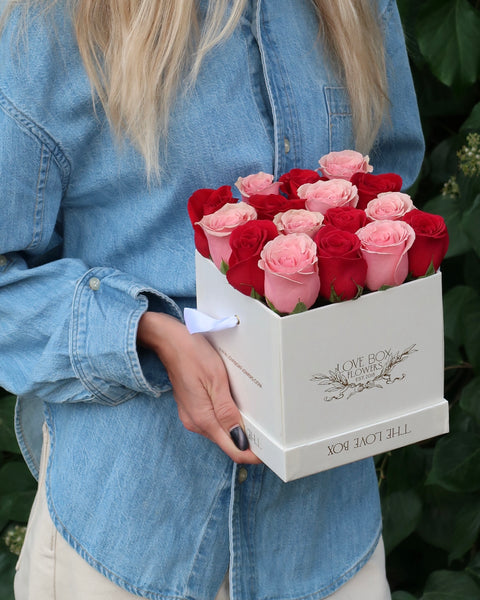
x=339, y=114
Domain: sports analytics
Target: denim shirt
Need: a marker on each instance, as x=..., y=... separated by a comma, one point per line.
x=88, y=245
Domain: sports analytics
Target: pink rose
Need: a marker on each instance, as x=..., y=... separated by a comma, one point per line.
x=344, y=164
x=384, y=245
x=298, y=221
x=258, y=183
x=219, y=225
x=322, y=195
x=389, y=205
x=291, y=271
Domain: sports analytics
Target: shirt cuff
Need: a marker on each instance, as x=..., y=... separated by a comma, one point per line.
x=107, y=307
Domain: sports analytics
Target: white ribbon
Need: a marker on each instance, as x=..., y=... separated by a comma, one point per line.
x=198, y=322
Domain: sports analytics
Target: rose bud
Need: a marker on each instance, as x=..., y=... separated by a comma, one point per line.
x=291, y=271
x=346, y=218
x=342, y=165
x=431, y=241
x=322, y=195
x=205, y=202
x=369, y=185
x=292, y=180
x=298, y=221
x=257, y=183
x=247, y=242
x=341, y=266
x=389, y=205
x=268, y=205
x=219, y=225
x=384, y=245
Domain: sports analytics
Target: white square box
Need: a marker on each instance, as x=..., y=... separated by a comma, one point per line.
x=335, y=384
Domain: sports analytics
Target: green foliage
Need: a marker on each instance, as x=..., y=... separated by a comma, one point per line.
x=430, y=491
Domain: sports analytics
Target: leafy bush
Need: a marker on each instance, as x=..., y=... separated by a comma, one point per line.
x=430, y=491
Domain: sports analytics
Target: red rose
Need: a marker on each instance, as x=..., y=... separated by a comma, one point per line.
x=292, y=180
x=369, y=186
x=341, y=267
x=268, y=205
x=431, y=241
x=205, y=202
x=247, y=241
x=346, y=218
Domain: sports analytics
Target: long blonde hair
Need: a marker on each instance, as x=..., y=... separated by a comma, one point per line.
x=136, y=53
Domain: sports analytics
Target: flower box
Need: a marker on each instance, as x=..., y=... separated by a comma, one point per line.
x=334, y=384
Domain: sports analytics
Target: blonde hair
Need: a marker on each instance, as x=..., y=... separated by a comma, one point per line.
x=136, y=53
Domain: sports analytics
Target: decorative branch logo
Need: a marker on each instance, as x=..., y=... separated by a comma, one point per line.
x=363, y=373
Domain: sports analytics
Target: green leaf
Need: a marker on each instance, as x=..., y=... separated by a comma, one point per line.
x=456, y=463
x=447, y=33
x=473, y=568
x=450, y=585
x=223, y=267
x=254, y=294
x=450, y=208
x=406, y=468
x=470, y=398
x=401, y=512
x=8, y=441
x=299, y=308
x=458, y=302
x=467, y=528
x=7, y=572
x=399, y=595
x=471, y=225
x=473, y=121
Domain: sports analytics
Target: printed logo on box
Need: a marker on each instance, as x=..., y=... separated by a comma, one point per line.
x=355, y=375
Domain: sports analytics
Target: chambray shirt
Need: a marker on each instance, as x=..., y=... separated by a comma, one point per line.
x=88, y=245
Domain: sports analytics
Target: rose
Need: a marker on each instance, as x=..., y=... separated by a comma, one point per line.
x=431, y=241
x=389, y=205
x=322, y=195
x=298, y=221
x=369, y=186
x=268, y=205
x=346, y=218
x=247, y=241
x=206, y=201
x=384, y=245
x=291, y=271
x=257, y=183
x=342, y=165
x=292, y=180
x=219, y=225
x=341, y=266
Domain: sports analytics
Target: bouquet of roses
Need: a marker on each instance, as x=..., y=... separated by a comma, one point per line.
x=316, y=236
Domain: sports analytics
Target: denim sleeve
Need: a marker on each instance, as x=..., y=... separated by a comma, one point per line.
x=400, y=145
x=67, y=329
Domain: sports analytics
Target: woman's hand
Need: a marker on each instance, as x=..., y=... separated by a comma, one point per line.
x=199, y=381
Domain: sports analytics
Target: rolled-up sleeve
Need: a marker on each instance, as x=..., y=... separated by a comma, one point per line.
x=67, y=329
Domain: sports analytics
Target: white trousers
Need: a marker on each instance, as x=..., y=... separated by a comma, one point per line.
x=49, y=568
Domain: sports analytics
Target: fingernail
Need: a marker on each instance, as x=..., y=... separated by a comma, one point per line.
x=239, y=438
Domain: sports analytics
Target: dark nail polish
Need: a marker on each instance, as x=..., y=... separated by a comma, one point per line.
x=239, y=438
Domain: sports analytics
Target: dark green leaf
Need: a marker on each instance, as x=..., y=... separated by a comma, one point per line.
x=15, y=475
x=473, y=121
x=471, y=225
x=299, y=308
x=401, y=512
x=448, y=32
x=7, y=572
x=406, y=468
x=456, y=463
x=467, y=528
x=458, y=302
x=402, y=596
x=450, y=585
x=473, y=568
x=470, y=398
x=8, y=441
x=451, y=210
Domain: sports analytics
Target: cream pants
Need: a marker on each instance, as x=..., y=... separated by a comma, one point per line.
x=49, y=569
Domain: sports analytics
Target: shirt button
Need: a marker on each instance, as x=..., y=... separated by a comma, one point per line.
x=94, y=283
x=242, y=474
x=286, y=142
x=3, y=260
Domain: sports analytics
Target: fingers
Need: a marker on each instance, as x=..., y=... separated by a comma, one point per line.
x=200, y=384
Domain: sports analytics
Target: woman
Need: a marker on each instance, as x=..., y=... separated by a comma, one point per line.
x=145, y=493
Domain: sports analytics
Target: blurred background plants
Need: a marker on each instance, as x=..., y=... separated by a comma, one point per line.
x=430, y=491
